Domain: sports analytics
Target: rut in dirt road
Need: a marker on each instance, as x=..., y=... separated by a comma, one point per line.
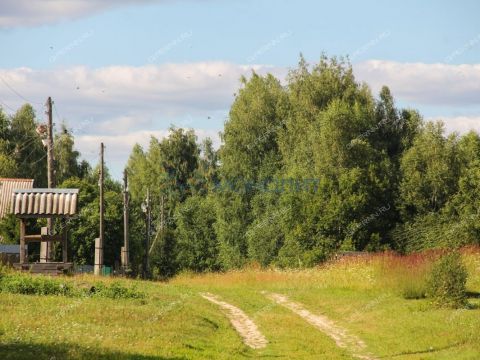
x=324, y=324
x=245, y=327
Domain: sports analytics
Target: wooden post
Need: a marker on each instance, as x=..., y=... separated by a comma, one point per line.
x=46, y=248
x=125, y=249
x=99, y=244
x=23, y=258
x=101, y=196
x=64, y=242
x=98, y=261
x=147, y=234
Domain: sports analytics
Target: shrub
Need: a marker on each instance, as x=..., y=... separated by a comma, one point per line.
x=28, y=285
x=17, y=283
x=447, y=281
x=116, y=291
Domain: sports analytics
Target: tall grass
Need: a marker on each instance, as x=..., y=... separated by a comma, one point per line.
x=27, y=284
x=406, y=275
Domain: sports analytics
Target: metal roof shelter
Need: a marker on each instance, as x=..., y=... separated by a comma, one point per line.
x=40, y=203
x=44, y=203
x=7, y=185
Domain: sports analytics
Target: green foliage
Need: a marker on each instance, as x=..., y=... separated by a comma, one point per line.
x=447, y=281
x=196, y=238
x=430, y=170
x=230, y=227
x=9, y=229
x=83, y=228
x=172, y=170
x=26, y=147
x=116, y=290
x=379, y=179
x=16, y=283
x=265, y=236
x=66, y=157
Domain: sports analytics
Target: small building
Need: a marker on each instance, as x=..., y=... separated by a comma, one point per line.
x=44, y=203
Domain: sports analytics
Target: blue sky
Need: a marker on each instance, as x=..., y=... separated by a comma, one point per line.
x=119, y=71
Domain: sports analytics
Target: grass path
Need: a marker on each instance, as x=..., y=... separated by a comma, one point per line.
x=341, y=337
x=245, y=327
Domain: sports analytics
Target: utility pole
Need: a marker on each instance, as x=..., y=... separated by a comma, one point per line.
x=146, y=209
x=125, y=249
x=46, y=247
x=99, y=241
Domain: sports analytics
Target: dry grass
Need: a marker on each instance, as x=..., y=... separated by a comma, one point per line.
x=360, y=294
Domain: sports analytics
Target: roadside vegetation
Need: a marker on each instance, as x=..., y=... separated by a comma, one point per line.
x=307, y=167
x=171, y=320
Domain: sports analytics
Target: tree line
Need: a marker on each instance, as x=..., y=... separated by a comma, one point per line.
x=306, y=168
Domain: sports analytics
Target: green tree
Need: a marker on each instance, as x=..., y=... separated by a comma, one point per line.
x=168, y=169
x=196, y=239
x=430, y=171
x=28, y=151
x=66, y=157
x=84, y=227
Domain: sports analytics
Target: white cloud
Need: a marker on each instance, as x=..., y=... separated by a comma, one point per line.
x=15, y=13
x=171, y=89
x=460, y=124
x=420, y=83
x=122, y=105
x=119, y=147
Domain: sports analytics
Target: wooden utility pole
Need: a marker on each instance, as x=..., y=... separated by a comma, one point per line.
x=125, y=249
x=147, y=211
x=46, y=247
x=99, y=241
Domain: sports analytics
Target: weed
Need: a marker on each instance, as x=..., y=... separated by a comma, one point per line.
x=447, y=281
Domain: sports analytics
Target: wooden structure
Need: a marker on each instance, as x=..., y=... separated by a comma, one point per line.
x=7, y=186
x=49, y=204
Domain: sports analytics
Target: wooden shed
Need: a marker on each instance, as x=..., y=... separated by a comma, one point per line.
x=44, y=203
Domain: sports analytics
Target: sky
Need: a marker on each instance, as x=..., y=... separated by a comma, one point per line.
x=120, y=71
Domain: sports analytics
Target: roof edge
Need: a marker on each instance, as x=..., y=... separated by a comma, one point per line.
x=46, y=190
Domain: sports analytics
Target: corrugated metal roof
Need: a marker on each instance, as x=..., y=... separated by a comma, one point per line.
x=6, y=190
x=45, y=202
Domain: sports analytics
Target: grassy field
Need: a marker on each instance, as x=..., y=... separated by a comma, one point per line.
x=362, y=295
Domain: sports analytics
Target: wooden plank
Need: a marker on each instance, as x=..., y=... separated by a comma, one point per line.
x=36, y=238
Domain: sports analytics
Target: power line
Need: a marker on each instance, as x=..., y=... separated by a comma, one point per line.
x=56, y=112
x=28, y=141
x=17, y=93
x=1, y=102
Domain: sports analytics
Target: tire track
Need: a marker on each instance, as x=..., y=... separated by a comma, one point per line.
x=340, y=335
x=244, y=326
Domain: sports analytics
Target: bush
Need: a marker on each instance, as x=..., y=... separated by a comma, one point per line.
x=116, y=291
x=17, y=283
x=28, y=285
x=447, y=281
